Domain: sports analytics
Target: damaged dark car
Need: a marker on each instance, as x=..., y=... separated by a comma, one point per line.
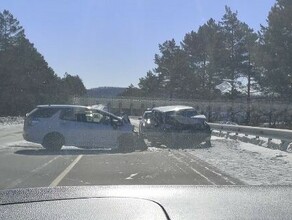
x=176, y=126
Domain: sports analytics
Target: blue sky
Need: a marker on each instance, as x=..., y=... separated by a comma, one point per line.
x=112, y=43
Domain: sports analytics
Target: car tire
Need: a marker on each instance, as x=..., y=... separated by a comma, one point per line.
x=53, y=141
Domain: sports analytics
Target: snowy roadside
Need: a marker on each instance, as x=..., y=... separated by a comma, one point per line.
x=253, y=164
x=11, y=120
x=260, y=141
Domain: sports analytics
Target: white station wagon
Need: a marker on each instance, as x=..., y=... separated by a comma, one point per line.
x=56, y=125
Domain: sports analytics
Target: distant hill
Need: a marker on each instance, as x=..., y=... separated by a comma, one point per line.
x=105, y=92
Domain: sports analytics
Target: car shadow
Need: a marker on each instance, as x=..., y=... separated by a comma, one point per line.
x=32, y=151
x=181, y=147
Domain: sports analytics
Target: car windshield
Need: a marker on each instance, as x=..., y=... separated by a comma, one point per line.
x=145, y=92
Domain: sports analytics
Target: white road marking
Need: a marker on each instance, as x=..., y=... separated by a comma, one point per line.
x=188, y=155
x=65, y=172
x=202, y=176
x=193, y=169
x=131, y=176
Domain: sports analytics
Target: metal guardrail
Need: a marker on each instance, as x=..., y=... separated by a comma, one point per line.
x=281, y=134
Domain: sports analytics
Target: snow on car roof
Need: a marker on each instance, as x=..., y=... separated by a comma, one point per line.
x=172, y=108
x=62, y=106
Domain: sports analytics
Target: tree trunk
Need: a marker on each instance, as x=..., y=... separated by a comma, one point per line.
x=248, y=95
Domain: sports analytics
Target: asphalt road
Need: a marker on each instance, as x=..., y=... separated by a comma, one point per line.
x=24, y=164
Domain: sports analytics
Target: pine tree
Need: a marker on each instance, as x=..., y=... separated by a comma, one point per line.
x=150, y=84
x=236, y=51
x=173, y=70
x=276, y=49
x=26, y=78
x=206, y=53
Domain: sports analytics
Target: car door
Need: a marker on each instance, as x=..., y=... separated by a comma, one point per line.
x=74, y=127
x=101, y=130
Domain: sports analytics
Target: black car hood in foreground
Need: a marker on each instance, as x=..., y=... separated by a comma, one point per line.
x=148, y=202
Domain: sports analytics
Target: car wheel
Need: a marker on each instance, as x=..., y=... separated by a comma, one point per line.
x=53, y=141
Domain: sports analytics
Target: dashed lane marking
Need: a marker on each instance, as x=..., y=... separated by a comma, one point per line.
x=131, y=176
x=65, y=172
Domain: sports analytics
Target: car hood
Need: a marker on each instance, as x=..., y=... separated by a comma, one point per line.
x=169, y=202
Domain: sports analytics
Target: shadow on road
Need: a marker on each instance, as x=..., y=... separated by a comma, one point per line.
x=77, y=151
x=183, y=147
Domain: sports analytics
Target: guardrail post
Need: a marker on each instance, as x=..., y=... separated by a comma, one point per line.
x=131, y=108
x=284, y=145
x=109, y=106
x=236, y=136
x=269, y=142
x=120, y=107
x=142, y=108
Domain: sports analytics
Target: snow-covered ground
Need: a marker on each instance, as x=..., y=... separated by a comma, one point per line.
x=250, y=163
x=11, y=120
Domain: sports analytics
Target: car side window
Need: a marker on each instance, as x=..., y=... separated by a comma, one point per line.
x=44, y=112
x=68, y=114
x=157, y=118
x=97, y=117
x=81, y=117
x=190, y=113
x=170, y=118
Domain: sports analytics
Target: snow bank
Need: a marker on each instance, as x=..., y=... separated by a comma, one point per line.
x=247, y=162
x=11, y=120
x=260, y=141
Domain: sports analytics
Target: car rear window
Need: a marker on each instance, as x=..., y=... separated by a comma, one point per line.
x=44, y=112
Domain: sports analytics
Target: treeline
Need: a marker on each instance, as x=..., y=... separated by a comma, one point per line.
x=226, y=50
x=26, y=80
